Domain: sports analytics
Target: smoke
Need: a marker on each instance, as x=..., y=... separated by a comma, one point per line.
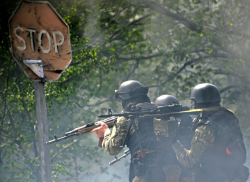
x=235, y=77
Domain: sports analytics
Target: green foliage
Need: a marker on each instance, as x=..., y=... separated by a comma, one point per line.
x=167, y=45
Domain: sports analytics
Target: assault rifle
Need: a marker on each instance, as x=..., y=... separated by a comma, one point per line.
x=148, y=110
x=84, y=129
x=151, y=111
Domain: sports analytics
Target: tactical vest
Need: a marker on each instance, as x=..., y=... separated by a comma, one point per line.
x=148, y=153
x=151, y=134
x=143, y=135
x=223, y=161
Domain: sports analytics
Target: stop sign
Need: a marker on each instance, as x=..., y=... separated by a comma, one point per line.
x=40, y=40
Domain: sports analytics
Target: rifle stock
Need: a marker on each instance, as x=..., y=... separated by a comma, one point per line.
x=84, y=129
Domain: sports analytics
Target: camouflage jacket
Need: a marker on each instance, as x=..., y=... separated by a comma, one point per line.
x=203, y=138
x=113, y=140
x=217, y=149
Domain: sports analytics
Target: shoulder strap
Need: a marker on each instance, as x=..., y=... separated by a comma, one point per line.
x=205, y=115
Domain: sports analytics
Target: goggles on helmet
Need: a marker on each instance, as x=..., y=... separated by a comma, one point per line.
x=131, y=93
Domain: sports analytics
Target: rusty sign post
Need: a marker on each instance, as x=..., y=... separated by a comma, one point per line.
x=41, y=46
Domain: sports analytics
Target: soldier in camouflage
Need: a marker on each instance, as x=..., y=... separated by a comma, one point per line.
x=180, y=128
x=148, y=150
x=217, y=152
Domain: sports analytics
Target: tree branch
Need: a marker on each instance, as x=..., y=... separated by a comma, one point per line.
x=157, y=7
x=228, y=88
x=135, y=67
x=213, y=54
x=132, y=23
x=172, y=76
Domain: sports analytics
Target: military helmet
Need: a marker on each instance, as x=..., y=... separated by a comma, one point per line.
x=130, y=89
x=165, y=100
x=205, y=93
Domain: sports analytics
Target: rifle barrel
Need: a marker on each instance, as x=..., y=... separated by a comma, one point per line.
x=58, y=139
x=84, y=129
x=126, y=153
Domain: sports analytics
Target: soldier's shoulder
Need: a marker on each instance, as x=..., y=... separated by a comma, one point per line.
x=224, y=114
x=205, y=133
x=122, y=119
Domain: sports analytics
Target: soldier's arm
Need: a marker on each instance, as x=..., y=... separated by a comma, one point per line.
x=203, y=138
x=113, y=140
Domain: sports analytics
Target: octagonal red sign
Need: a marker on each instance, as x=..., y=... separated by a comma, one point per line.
x=40, y=40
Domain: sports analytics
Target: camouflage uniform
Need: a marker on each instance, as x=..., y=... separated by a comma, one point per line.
x=217, y=150
x=146, y=169
x=160, y=163
x=184, y=134
x=113, y=141
x=176, y=127
x=137, y=133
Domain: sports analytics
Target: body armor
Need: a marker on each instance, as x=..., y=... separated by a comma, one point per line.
x=149, y=155
x=170, y=128
x=224, y=160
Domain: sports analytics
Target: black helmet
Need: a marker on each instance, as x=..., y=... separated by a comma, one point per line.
x=205, y=93
x=165, y=100
x=130, y=89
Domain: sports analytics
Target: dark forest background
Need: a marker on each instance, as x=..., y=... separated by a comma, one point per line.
x=168, y=45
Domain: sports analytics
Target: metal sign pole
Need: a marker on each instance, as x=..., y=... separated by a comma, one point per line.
x=43, y=136
x=40, y=44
